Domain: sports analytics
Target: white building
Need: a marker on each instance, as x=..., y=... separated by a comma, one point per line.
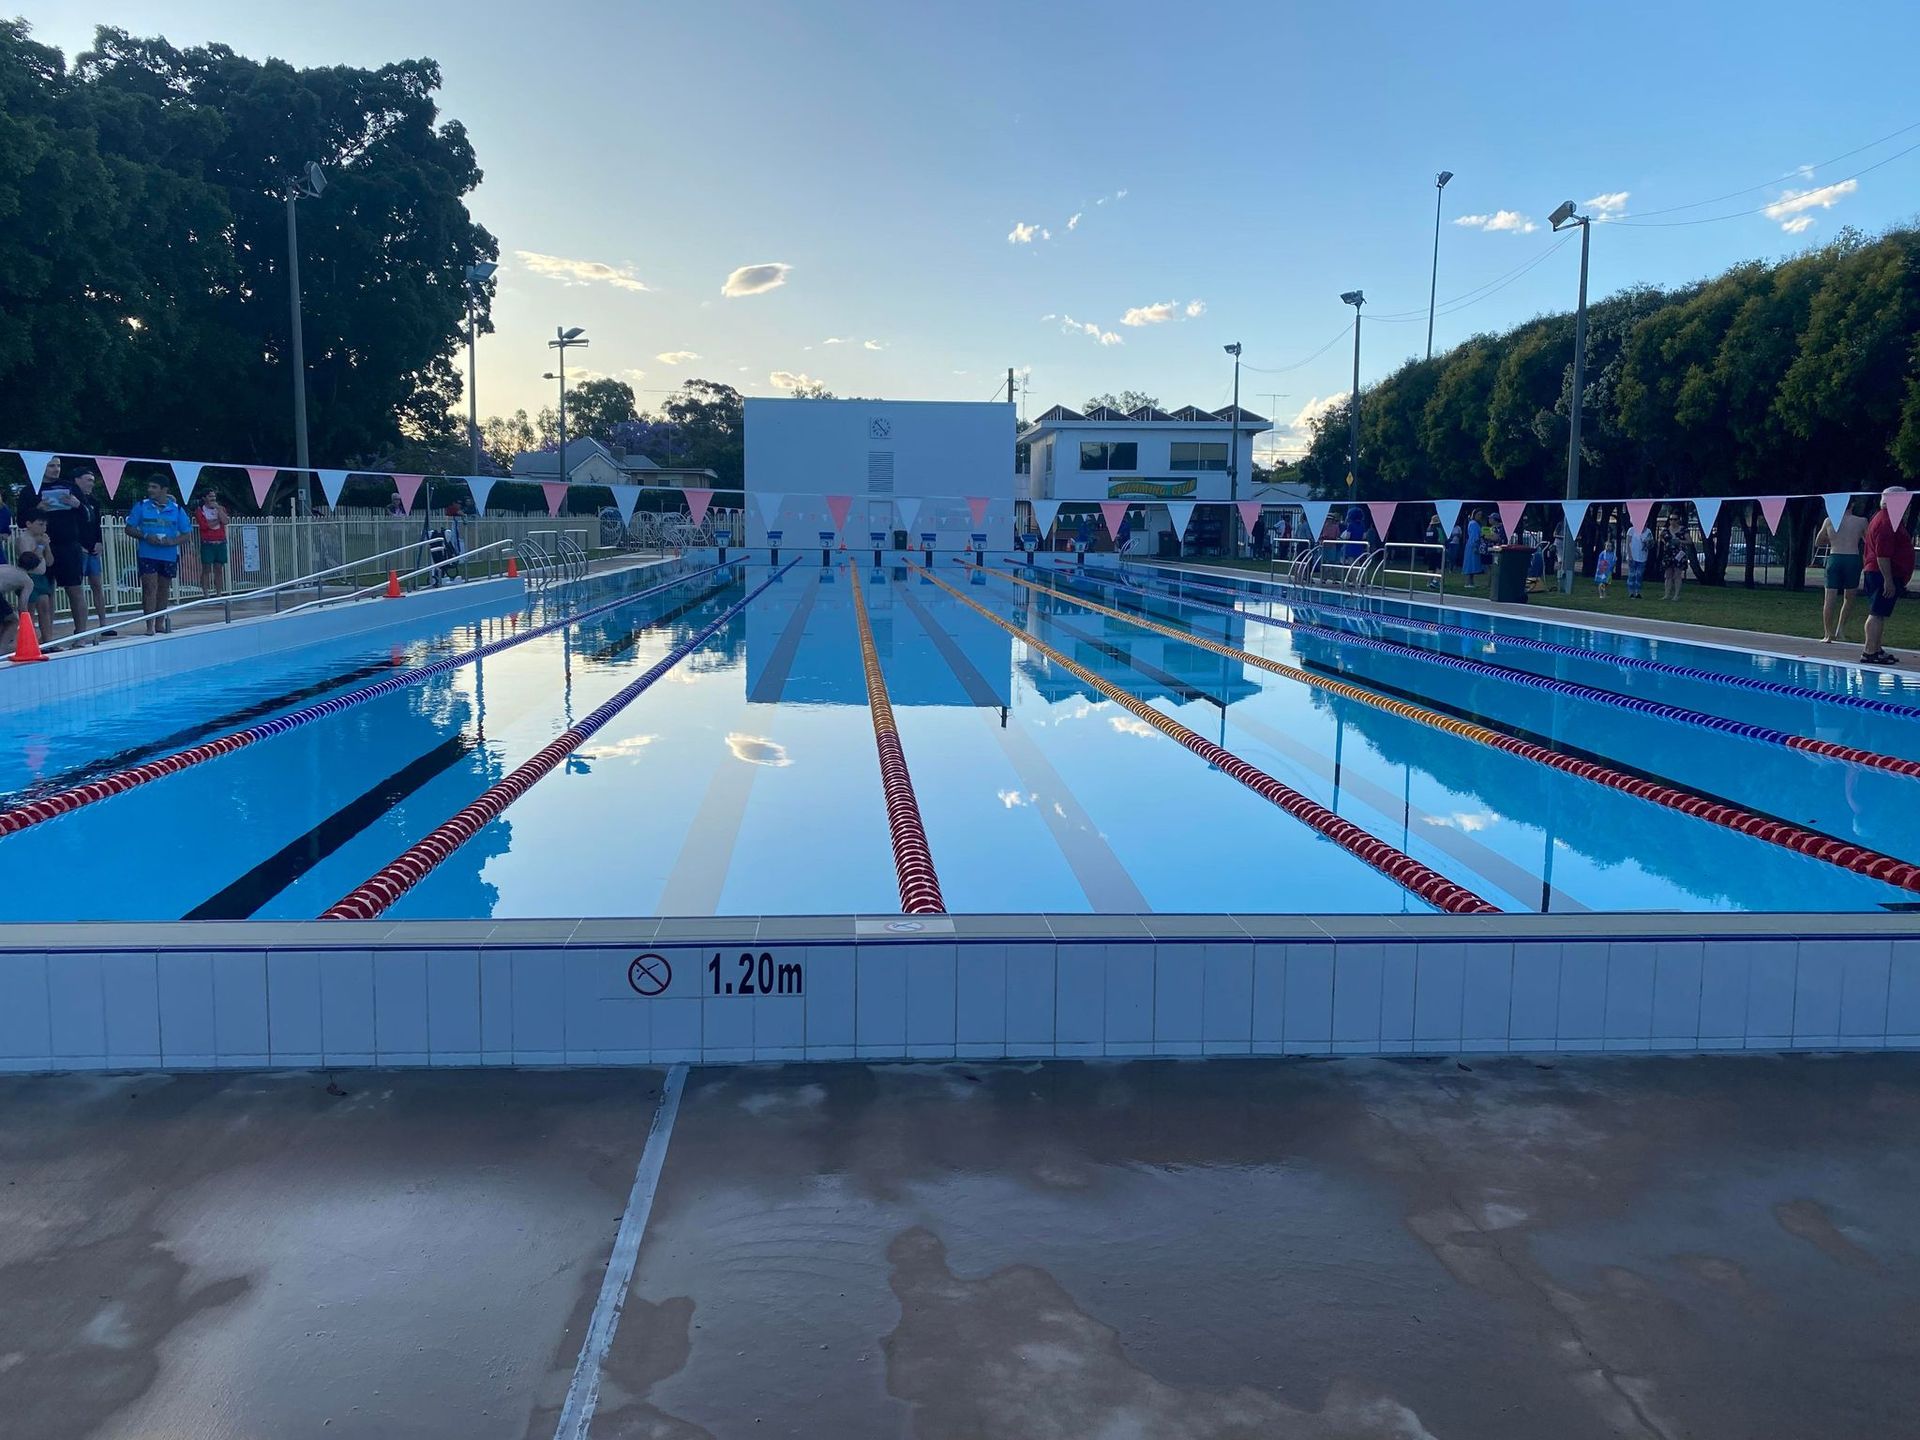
x=591, y=463
x=1150, y=456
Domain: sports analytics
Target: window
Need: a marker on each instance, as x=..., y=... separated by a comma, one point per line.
x=1198, y=455
x=1105, y=455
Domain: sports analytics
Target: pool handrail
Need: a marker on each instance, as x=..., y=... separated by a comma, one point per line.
x=379, y=586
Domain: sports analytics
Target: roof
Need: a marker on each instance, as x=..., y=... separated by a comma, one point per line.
x=539, y=464
x=1060, y=415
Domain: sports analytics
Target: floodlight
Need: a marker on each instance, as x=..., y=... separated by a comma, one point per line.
x=1561, y=215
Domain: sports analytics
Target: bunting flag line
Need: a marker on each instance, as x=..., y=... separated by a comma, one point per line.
x=1113, y=512
x=1382, y=513
x=480, y=486
x=1181, y=513
x=1449, y=513
x=977, y=509
x=1576, y=513
x=1772, y=508
x=1511, y=512
x=1249, y=512
x=36, y=462
x=261, y=478
x=837, y=506
x=625, y=497
x=1317, y=512
x=909, y=507
x=1896, y=504
x=1837, y=508
x=556, y=493
x=1707, y=507
x=332, y=482
x=408, y=487
x=186, y=474
x=1045, y=512
x=112, y=467
x=769, y=502
x=1638, y=513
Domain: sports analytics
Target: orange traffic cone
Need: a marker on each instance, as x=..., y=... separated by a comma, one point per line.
x=393, y=584
x=513, y=568
x=27, y=646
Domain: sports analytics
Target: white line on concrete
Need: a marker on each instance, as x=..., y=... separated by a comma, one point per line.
x=583, y=1395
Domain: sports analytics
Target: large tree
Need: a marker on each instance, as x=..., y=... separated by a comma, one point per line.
x=143, y=252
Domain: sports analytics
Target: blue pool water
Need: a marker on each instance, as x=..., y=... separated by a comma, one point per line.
x=745, y=781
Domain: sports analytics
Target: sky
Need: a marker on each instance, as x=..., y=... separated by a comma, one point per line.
x=903, y=200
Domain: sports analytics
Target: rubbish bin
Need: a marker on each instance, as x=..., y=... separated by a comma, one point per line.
x=1510, y=573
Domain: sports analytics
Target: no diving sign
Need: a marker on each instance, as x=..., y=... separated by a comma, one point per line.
x=649, y=974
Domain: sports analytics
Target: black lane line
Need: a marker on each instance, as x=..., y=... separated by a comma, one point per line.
x=621, y=647
x=180, y=739
x=245, y=896
x=773, y=679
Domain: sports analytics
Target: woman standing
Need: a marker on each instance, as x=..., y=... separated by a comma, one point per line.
x=1676, y=552
x=1843, y=570
x=1472, y=562
x=210, y=519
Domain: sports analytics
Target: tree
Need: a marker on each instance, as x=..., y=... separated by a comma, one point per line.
x=1126, y=402
x=174, y=263
x=598, y=407
x=706, y=415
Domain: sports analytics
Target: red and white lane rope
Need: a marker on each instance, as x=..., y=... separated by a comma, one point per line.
x=912, y=860
x=376, y=893
x=64, y=802
x=1843, y=853
x=1428, y=884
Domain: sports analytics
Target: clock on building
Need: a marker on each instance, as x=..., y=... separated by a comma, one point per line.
x=879, y=429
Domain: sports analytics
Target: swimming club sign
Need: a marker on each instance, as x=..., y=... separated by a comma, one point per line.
x=1150, y=489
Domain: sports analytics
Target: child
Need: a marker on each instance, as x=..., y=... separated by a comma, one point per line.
x=32, y=541
x=1603, y=571
x=16, y=593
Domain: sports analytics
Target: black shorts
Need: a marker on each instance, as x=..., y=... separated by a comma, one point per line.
x=1879, y=599
x=68, y=565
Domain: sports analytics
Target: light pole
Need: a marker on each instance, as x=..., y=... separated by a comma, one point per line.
x=563, y=341
x=477, y=275
x=1233, y=446
x=1433, y=286
x=1560, y=219
x=309, y=185
x=1356, y=299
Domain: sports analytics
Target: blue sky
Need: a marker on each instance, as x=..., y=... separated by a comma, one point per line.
x=1242, y=162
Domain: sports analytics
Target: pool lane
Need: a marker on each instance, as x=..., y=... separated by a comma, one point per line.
x=1607, y=849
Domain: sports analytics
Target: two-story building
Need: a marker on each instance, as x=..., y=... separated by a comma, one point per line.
x=1155, y=457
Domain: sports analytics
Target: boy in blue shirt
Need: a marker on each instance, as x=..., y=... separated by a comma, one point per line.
x=160, y=524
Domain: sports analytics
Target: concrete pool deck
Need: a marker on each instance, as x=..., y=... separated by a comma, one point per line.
x=1580, y=1247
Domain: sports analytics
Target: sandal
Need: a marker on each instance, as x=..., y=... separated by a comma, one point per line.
x=1880, y=657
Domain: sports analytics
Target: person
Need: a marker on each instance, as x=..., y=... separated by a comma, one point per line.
x=67, y=519
x=16, y=593
x=1260, y=537
x=1473, y=557
x=32, y=541
x=210, y=518
x=1676, y=551
x=1639, y=544
x=1886, y=565
x=1536, y=565
x=456, y=543
x=1603, y=570
x=160, y=524
x=1566, y=554
x=1843, y=570
x=394, y=507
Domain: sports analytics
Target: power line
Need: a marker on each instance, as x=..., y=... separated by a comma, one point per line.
x=1283, y=369
x=1798, y=174
x=1475, y=295
x=1760, y=209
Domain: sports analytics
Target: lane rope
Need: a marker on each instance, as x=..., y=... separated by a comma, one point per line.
x=378, y=891
x=1578, y=652
x=1425, y=883
x=1745, y=730
x=65, y=802
x=1842, y=853
x=912, y=859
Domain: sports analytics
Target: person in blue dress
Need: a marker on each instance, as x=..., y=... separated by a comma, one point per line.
x=1471, y=561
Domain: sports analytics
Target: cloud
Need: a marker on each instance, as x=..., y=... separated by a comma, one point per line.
x=1196, y=308
x=1071, y=326
x=1073, y=220
x=1500, y=220
x=1290, y=439
x=1161, y=313
x=1127, y=725
x=758, y=750
x=755, y=279
x=1793, y=202
x=676, y=357
x=1025, y=234
x=788, y=380
x=873, y=345
x=837, y=340
x=1611, y=203
x=579, y=272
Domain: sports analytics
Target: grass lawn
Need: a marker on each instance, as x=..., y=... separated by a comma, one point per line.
x=1767, y=610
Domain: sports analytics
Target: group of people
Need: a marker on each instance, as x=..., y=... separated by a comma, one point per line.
x=52, y=539
x=1869, y=556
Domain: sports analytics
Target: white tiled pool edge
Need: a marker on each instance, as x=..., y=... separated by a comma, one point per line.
x=257, y=996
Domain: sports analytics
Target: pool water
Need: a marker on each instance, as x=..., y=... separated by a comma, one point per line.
x=745, y=781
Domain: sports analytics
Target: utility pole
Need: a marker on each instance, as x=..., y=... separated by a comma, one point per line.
x=1562, y=217
x=1355, y=298
x=1233, y=448
x=1433, y=285
x=1010, y=399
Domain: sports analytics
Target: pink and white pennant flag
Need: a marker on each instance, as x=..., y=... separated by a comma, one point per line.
x=408, y=487
x=1772, y=508
x=1113, y=512
x=1837, y=508
x=112, y=467
x=1576, y=513
x=1449, y=513
x=1181, y=513
x=1896, y=503
x=977, y=510
x=1639, y=512
x=1249, y=512
x=1510, y=513
x=36, y=462
x=1045, y=512
x=186, y=474
x=837, y=506
x=1707, y=507
x=261, y=478
x=1317, y=512
x=1382, y=513
x=625, y=497
x=480, y=487
x=333, y=482
x=909, y=508
x=556, y=493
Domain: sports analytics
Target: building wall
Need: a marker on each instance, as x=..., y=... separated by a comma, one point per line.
x=878, y=452
x=1154, y=463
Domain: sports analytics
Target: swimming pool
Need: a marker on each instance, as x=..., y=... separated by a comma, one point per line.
x=1057, y=743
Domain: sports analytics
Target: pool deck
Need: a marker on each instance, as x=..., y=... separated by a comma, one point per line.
x=1592, y=1247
